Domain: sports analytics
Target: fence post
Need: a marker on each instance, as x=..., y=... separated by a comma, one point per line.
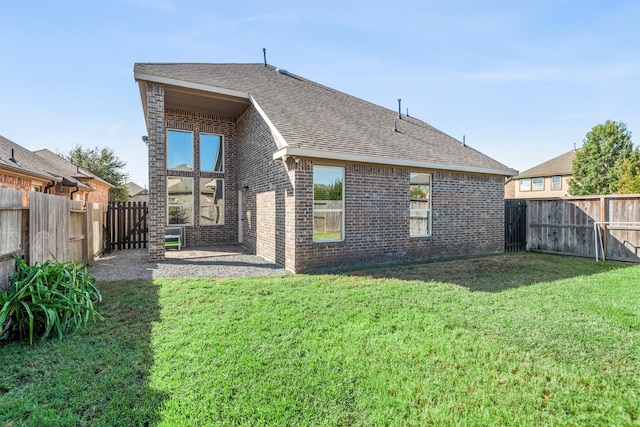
x=603, y=224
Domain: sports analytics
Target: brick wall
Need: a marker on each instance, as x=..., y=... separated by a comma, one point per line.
x=101, y=193
x=268, y=230
x=467, y=209
x=16, y=183
x=196, y=122
x=156, y=219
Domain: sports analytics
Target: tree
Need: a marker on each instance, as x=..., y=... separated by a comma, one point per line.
x=597, y=165
x=104, y=164
x=629, y=178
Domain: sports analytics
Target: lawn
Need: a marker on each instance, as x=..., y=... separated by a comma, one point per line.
x=518, y=339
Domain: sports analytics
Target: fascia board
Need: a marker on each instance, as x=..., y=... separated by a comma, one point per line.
x=190, y=85
x=303, y=152
x=28, y=173
x=280, y=141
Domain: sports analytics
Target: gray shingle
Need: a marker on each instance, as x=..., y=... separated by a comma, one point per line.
x=314, y=117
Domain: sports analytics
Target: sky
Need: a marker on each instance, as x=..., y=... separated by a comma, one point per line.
x=522, y=81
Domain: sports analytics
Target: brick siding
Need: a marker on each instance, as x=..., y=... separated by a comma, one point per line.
x=277, y=200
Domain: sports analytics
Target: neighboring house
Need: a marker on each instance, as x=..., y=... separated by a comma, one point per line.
x=307, y=176
x=99, y=188
x=548, y=179
x=21, y=169
x=137, y=193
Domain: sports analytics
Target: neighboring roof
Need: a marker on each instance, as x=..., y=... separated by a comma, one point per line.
x=24, y=161
x=561, y=165
x=311, y=120
x=134, y=189
x=68, y=169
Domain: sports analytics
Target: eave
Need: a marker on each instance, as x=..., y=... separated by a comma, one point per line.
x=302, y=152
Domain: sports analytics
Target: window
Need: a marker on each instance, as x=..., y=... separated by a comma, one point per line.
x=179, y=200
x=211, y=201
x=179, y=150
x=537, y=184
x=211, y=156
x=556, y=182
x=525, y=184
x=420, y=204
x=328, y=204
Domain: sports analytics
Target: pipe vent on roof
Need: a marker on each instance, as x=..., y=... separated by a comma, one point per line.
x=282, y=71
x=12, y=158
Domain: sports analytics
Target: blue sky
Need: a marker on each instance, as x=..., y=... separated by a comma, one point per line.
x=523, y=80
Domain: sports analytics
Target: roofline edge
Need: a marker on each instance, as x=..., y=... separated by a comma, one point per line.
x=302, y=152
x=190, y=85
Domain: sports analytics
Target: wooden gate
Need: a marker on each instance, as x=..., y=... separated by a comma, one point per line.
x=126, y=225
x=515, y=225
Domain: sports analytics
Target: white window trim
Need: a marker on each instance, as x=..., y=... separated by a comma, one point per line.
x=342, y=231
x=559, y=183
x=521, y=180
x=429, y=210
x=221, y=151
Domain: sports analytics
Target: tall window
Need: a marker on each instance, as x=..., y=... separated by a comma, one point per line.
x=179, y=200
x=525, y=184
x=179, y=150
x=211, y=201
x=556, y=183
x=211, y=156
x=420, y=204
x=328, y=204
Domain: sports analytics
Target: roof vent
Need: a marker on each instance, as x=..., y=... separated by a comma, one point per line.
x=399, y=108
x=464, y=142
x=264, y=53
x=13, y=159
x=282, y=71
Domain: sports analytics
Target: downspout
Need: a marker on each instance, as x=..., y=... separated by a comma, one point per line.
x=73, y=192
x=53, y=183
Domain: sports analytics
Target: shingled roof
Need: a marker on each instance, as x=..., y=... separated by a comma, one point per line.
x=19, y=159
x=561, y=165
x=68, y=169
x=309, y=119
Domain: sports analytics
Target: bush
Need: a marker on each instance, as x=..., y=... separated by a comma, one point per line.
x=47, y=297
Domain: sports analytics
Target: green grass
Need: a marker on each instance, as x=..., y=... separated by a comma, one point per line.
x=520, y=339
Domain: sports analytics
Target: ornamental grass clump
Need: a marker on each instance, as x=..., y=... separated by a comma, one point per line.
x=47, y=298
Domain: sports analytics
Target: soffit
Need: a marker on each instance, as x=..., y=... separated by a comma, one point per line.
x=192, y=99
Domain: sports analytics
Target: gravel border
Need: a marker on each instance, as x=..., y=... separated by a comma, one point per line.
x=133, y=264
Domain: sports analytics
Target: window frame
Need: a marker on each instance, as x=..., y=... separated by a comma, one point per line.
x=537, y=181
x=190, y=206
x=192, y=150
x=342, y=208
x=429, y=209
x=522, y=181
x=221, y=152
x=557, y=187
x=204, y=180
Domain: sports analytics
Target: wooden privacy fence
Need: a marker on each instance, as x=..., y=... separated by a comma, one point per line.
x=607, y=225
x=48, y=226
x=127, y=225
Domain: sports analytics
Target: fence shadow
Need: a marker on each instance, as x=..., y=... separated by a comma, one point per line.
x=100, y=376
x=493, y=273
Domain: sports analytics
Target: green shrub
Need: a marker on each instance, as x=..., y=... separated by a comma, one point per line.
x=47, y=297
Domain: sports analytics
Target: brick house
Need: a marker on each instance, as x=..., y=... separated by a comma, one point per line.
x=307, y=176
x=44, y=171
x=548, y=179
x=100, y=187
